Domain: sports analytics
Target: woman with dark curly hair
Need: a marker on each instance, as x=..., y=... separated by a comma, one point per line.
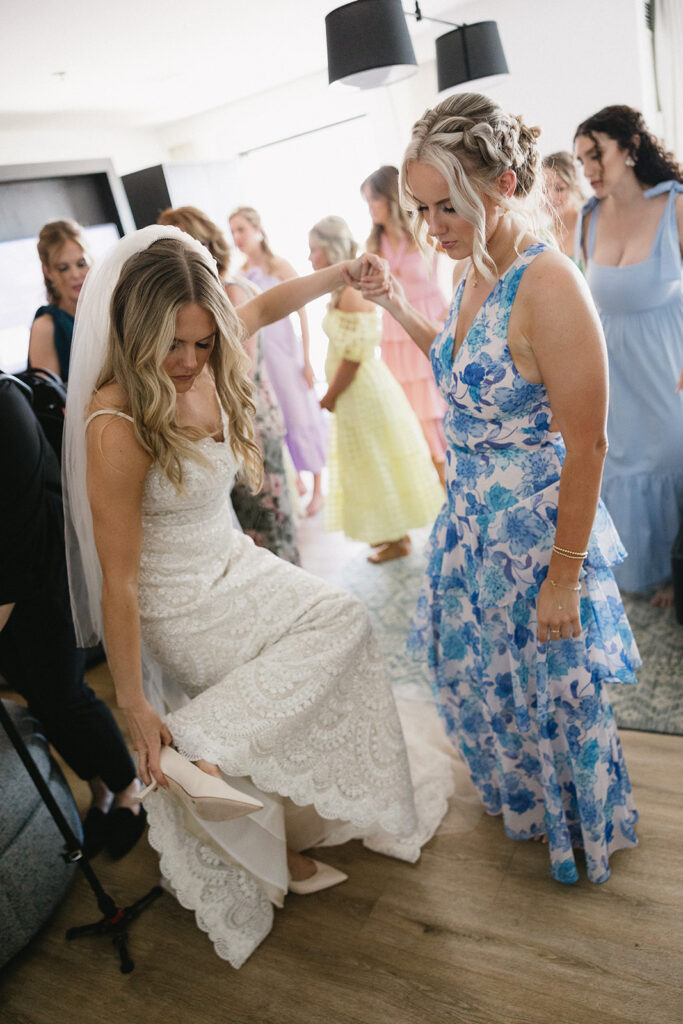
x=631, y=239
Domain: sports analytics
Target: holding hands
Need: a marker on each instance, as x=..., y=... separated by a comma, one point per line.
x=370, y=274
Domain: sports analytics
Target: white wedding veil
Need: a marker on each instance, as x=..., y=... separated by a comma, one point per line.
x=88, y=354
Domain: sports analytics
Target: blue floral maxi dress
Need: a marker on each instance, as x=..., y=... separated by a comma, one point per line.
x=532, y=721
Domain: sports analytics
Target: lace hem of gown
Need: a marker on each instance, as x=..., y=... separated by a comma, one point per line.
x=228, y=903
x=234, y=907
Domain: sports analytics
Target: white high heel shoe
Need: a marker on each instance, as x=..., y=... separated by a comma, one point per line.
x=209, y=798
x=324, y=877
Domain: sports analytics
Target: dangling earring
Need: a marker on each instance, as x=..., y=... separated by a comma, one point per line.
x=629, y=161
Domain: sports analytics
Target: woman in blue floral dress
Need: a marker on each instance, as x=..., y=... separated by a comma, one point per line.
x=519, y=617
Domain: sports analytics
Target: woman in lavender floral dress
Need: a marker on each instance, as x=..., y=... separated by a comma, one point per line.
x=519, y=617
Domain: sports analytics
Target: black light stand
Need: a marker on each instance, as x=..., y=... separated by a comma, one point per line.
x=115, y=920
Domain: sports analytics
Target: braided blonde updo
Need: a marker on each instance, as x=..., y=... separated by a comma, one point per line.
x=471, y=141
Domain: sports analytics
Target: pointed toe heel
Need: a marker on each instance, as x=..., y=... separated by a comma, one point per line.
x=324, y=877
x=209, y=798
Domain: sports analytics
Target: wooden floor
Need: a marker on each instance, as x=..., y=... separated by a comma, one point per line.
x=476, y=933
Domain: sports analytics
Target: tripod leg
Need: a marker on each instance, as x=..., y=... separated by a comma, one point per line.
x=120, y=941
x=101, y=927
x=135, y=909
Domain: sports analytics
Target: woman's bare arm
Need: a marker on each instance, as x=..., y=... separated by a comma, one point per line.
x=346, y=371
x=285, y=271
x=291, y=295
x=420, y=328
x=117, y=467
x=42, y=352
x=238, y=295
x=562, y=327
x=350, y=301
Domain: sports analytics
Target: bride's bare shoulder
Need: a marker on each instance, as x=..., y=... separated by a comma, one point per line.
x=112, y=438
x=109, y=396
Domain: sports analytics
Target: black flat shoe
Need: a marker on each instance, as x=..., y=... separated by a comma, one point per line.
x=124, y=828
x=95, y=831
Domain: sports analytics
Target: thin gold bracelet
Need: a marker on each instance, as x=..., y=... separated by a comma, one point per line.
x=569, y=554
x=563, y=586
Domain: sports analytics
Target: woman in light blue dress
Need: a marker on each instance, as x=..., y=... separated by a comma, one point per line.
x=631, y=240
x=519, y=616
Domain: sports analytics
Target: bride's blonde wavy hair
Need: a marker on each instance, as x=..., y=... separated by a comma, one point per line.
x=152, y=287
x=471, y=141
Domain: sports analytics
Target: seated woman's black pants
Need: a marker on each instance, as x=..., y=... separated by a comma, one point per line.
x=39, y=659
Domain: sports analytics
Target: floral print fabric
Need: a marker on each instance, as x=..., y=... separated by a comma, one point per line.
x=532, y=721
x=268, y=517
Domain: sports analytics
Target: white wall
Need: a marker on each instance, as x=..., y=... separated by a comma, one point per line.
x=43, y=139
x=566, y=60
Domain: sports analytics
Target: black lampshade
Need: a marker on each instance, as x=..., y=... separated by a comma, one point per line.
x=469, y=53
x=368, y=44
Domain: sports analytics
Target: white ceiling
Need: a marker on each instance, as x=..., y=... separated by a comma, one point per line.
x=150, y=61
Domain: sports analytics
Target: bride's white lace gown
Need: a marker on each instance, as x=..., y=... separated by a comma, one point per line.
x=287, y=694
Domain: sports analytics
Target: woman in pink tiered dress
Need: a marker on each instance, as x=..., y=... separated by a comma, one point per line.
x=391, y=238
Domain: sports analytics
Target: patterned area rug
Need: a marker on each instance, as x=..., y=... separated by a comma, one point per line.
x=656, y=703
x=390, y=593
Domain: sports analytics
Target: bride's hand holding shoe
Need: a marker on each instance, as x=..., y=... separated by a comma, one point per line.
x=148, y=734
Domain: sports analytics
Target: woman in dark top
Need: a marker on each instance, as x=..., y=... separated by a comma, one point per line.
x=65, y=263
x=38, y=653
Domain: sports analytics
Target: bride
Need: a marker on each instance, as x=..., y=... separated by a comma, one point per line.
x=260, y=673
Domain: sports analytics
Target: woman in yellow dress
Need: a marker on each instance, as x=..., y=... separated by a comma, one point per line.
x=382, y=479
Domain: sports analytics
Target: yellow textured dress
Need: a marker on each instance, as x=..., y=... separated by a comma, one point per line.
x=382, y=479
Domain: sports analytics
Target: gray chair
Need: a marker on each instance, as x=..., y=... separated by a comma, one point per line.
x=34, y=877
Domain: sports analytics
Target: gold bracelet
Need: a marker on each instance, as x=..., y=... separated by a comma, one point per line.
x=563, y=586
x=569, y=554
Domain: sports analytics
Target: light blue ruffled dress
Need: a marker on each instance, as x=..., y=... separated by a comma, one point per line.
x=532, y=721
x=641, y=308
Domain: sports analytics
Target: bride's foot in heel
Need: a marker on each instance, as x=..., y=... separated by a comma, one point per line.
x=202, y=789
x=299, y=867
x=209, y=768
x=307, y=875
